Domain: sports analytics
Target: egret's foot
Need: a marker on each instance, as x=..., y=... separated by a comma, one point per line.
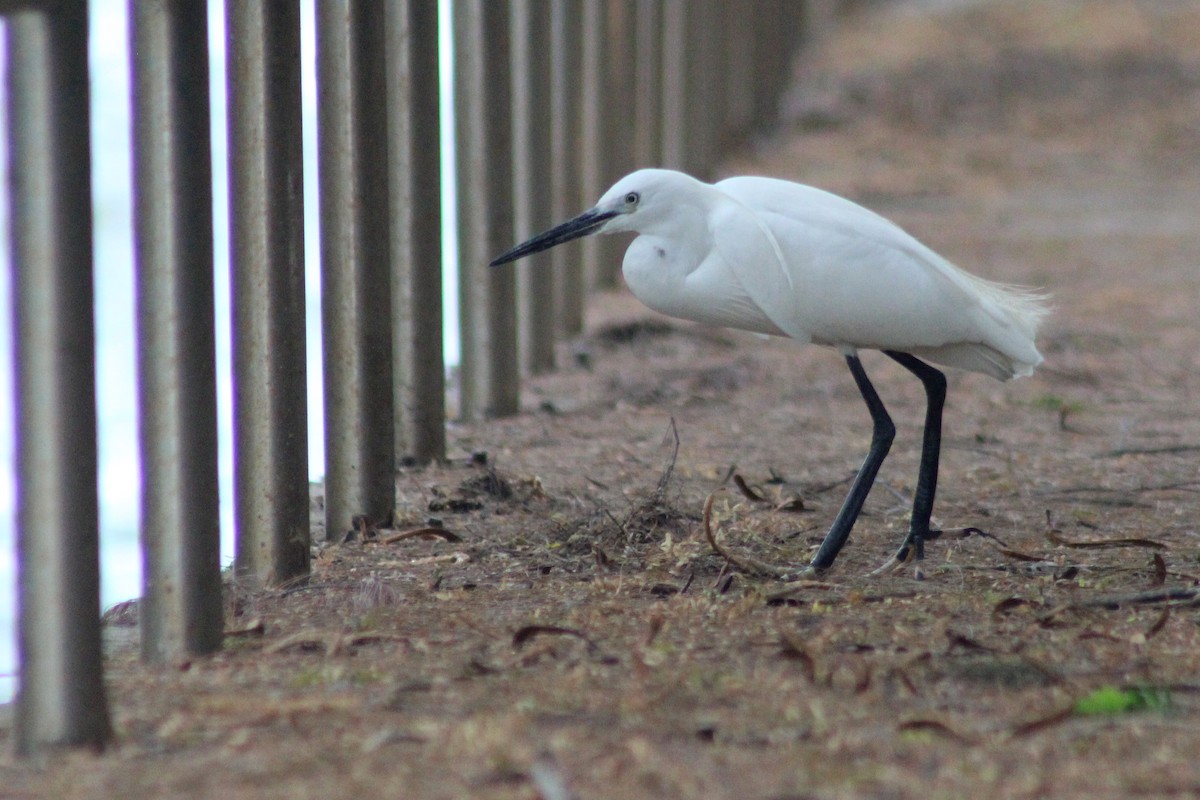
x=886, y=566
x=912, y=550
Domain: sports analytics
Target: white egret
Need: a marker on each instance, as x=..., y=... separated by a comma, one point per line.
x=784, y=259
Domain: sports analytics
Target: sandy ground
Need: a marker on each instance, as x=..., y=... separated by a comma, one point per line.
x=580, y=638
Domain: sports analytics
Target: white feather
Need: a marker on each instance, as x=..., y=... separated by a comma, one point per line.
x=781, y=258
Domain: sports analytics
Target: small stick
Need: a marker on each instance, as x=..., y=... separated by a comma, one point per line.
x=434, y=533
x=744, y=562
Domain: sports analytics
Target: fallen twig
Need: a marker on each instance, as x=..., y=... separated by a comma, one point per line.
x=526, y=634
x=1116, y=601
x=744, y=562
x=670, y=466
x=333, y=642
x=793, y=504
x=254, y=627
x=425, y=532
x=457, y=557
x=795, y=585
x=1056, y=536
x=748, y=492
x=937, y=727
x=1042, y=723
x=1151, y=451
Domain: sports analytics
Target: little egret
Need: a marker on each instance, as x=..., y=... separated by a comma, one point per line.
x=784, y=259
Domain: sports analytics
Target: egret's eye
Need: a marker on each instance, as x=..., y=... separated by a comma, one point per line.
x=632, y=198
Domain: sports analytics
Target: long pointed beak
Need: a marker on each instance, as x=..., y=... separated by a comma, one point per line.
x=587, y=222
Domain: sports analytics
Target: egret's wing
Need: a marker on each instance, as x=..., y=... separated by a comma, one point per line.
x=831, y=271
x=748, y=251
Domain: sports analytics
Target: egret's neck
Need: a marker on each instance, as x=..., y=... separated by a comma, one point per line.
x=672, y=243
x=657, y=266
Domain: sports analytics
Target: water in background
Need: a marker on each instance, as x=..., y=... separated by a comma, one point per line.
x=115, y=339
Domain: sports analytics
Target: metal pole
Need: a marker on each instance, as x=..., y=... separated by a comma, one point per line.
x=594, y=110
x=487, y=297
x=532, y=178
x=616, y=136
x=737, y=83
x=469, y=166
x=704, y=111
x=565, y=154
x=414, y=191
x=182, y=611
x=647, y=146
x=61, y=699
x=266, y=182
x=673, y=52
x=779, y=25
x=355, y=274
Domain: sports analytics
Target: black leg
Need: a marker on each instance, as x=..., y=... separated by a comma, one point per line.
x=881, y=441
x=931, y=447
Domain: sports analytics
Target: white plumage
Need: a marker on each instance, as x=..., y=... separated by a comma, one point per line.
x=784, y=259
x=777, y=257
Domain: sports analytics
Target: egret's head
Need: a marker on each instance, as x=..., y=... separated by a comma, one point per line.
x=631, y=204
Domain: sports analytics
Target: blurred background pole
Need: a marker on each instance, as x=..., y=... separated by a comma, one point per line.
x=355, y=274
x=266, y=193
x=565, y=157
x=181, y=614
x=61, y=698
x=490, y=377
x=620, y=58
x=780, y=26
x=705, y=108
x=414, y=193
x=595, y=106
x=532, y=178
x=739, y=42
x=673, y=105
x=647, y=101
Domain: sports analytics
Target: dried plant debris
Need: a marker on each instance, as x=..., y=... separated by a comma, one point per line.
x=655, y=514
x=526, y=634
x=1160, y=570
x=331, y=642
x=490, y=483
x=747, y=563
x=935, y=727
x=423, y=532
x=1116, y=601
x=362, y=529
x=793, y=503
x=1057, y=538
x=372, y=593
x=750, y=494
x=488, y=486
x=795, y=649
x=251, y=628
x=626, y=333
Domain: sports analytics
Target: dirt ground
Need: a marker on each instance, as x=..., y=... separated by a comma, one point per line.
x=580, y=637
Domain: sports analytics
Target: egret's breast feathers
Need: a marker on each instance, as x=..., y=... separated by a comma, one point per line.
x=676, y=282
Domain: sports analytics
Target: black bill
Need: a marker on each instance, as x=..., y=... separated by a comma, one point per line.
x=585, y=223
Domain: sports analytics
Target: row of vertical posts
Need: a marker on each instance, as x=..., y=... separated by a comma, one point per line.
x=595, y=90
x=555, y=99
